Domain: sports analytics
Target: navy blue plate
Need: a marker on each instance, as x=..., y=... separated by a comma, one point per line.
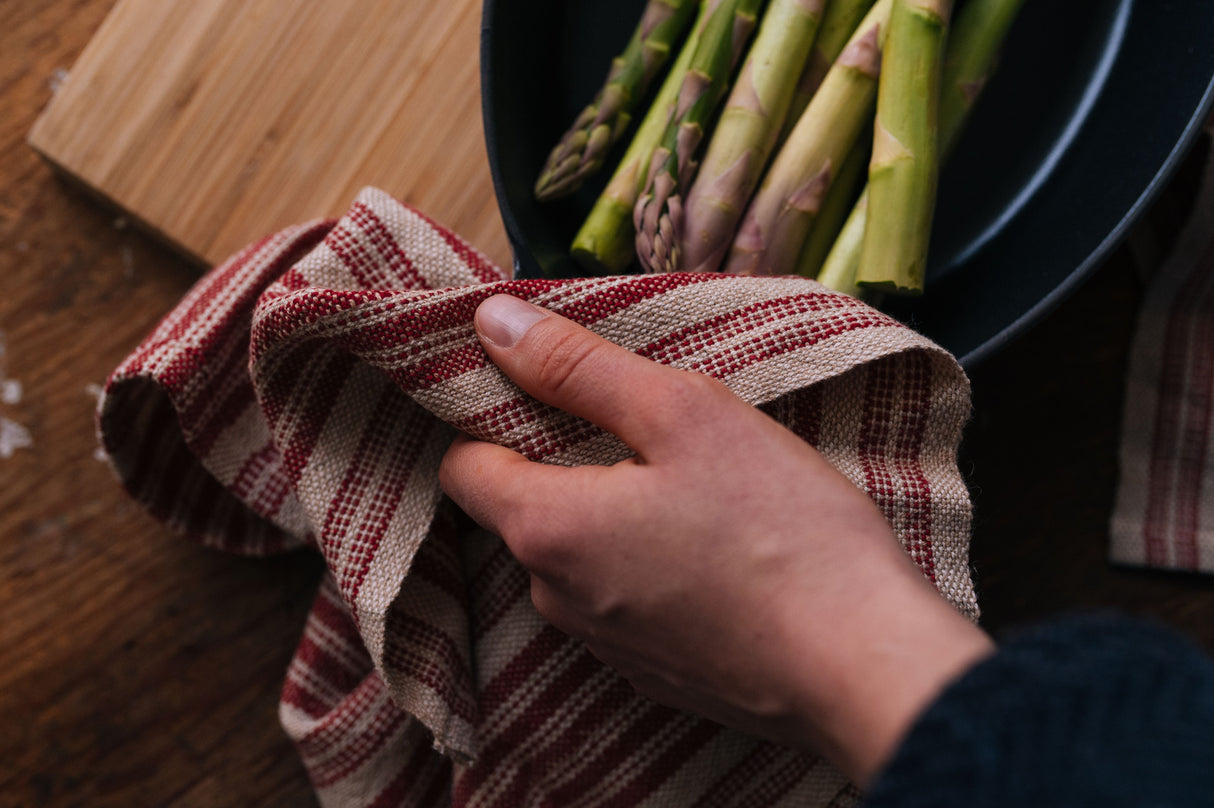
x=1093, y=107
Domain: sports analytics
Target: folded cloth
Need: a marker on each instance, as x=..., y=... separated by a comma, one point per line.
x=1164, y=510
x=304, y=392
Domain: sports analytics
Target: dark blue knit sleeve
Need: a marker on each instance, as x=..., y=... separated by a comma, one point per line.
x=1093, y=711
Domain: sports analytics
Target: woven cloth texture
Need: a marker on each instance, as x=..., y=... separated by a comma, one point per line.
x=1163, y=515
x=303, y=394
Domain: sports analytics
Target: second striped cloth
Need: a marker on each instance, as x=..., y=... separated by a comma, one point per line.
x=1164, y=511
x=303, y=394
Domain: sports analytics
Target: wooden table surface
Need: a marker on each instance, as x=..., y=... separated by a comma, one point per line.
x=138, y=669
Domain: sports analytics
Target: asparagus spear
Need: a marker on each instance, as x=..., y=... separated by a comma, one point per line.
x=778, y=218
x=827, y=225
x=581, y=150
x=605, y=244
x=902, y=173
x=659, y=210
x=838, y=24
x=838, y=271
x=746, y=131
x=973, y=49
x=971, y=54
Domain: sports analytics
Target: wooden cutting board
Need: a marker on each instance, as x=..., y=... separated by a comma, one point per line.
x=215, y=122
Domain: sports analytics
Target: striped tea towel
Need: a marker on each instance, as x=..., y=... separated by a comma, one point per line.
x=1164, y=511
x=304, y=392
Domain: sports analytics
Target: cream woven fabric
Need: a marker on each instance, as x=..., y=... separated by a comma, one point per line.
x=304, y=393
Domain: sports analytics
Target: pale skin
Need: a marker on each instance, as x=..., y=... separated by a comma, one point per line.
x=726, y=569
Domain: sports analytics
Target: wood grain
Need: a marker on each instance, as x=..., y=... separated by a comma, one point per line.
x=135, y=668
x=216, y=122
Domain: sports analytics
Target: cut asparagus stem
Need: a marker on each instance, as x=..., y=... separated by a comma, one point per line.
x=974, y=43
x=580, y=152
x=778, y=219
x=659, y=211
x=903, y=170
x=606, y=242
x=840, y=21
x=746, y=132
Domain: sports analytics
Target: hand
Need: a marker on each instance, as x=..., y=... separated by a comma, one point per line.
x=727, y=569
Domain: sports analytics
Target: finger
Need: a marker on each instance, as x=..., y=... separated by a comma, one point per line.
x=485, y=480
x=569, y=367
x=562, y=612
x=459, y=475
x=533, y=507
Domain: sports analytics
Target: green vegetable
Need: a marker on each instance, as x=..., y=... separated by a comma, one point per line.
x=903, y=171
x=746, y=132
x=606, y=242
x=792, y=192
x=659, y=212
x=581, y=151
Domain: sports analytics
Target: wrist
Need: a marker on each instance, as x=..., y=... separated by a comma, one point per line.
x=893, y=647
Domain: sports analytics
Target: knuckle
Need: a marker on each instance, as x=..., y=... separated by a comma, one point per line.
x=528, y=553
x=554, y=609
x=531, y=546
x=621, y=663
x=567, y=358
x=689, y=392
x=543, y=601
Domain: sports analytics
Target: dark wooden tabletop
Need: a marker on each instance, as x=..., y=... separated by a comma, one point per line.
x=139, y=669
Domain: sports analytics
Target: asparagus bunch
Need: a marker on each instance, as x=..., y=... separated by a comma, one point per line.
x=659, y=210
x=903, y=170
x=791, y=194
x=581, y=151
x=970, y=56
x=606, y=242
x=652, y=210
x=746, y=131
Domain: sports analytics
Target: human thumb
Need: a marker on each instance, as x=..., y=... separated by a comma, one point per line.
x=565, y=365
